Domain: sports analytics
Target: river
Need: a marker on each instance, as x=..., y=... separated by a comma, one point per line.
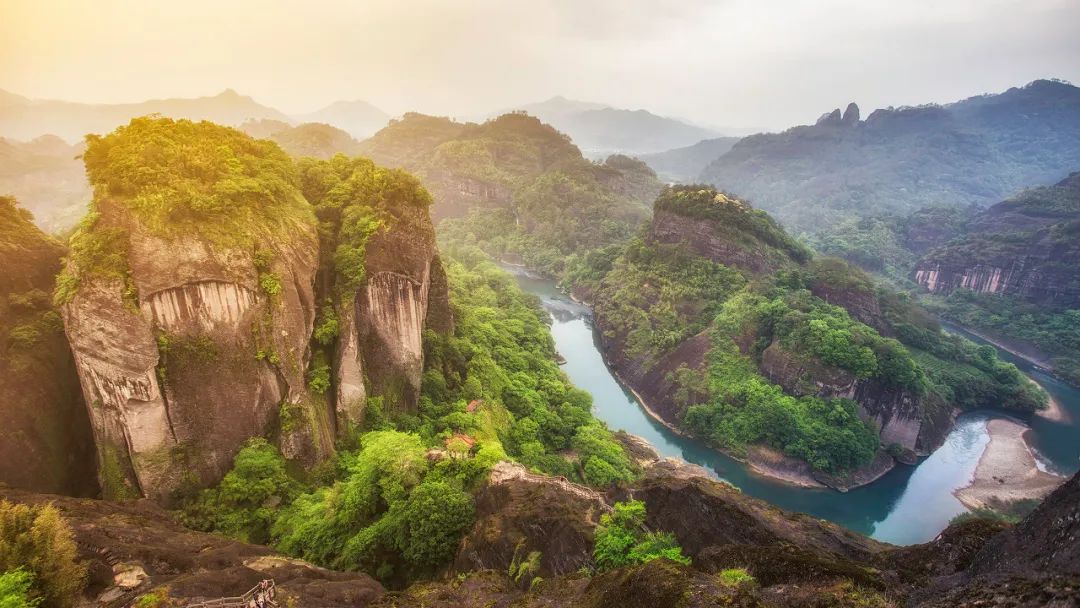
x=908, y=505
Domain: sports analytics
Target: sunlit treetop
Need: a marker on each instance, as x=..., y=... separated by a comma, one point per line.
x=179, y=175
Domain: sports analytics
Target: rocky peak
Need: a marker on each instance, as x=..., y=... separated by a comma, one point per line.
x=830, y=118
x=851, y=114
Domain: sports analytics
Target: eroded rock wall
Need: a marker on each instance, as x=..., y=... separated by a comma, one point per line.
x=380, y=349
x=198, y=351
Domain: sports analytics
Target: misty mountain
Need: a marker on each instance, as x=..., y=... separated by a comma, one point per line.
x=978, y=151
x=359, y=118
x=685, y=164
x=47, y=178
x=600, y=130
x=556, y=108
x=315, y=139
x=11, y=99
x=25, y=119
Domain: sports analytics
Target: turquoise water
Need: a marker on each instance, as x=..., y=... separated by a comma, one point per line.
x=908, y=505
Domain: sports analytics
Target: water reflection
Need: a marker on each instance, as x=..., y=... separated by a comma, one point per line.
x=907, y=505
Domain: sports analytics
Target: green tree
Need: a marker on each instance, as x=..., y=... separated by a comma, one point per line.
x=434, y=517
x=245, y=504
x=37, y=539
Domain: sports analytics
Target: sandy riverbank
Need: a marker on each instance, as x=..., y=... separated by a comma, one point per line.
x=1007, y=470
x=1053, y=410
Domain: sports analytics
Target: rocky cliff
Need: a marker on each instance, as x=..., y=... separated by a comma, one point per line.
x=380, y=349
x=190, y=298
x=47, y=444
x=192, y=352
x=1025, y=247
x=524, y=543
x=533, y=534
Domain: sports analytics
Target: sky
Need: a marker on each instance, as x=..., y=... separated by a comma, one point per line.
x=736, y=63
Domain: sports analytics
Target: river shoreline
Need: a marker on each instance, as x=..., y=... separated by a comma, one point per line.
x=1013, y=349
x=1054, y=411
x=760, y=460
x=1008, y=471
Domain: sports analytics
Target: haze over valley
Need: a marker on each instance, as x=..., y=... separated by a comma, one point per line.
x=432, y=304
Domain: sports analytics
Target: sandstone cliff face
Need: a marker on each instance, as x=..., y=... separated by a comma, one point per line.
x=1024, y=247
x=216, y=344
x=897, y=414
x=47, y=444
x=380, y=349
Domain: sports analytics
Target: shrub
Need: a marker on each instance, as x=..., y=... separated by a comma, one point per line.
x=15, y=587
x=435, y=517
x=244, y=505
x=737, y=577
x=38, y=539
x=622, y=540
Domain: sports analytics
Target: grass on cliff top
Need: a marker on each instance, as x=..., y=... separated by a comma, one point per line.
x=179, y=177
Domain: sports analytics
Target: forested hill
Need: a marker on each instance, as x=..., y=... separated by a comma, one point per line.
x=979, y=150
x=1014, y=272
x=1026, y=246
x=732, y=331
x=519, y=188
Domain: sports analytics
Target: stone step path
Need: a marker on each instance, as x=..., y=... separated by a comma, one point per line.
x=248, y=600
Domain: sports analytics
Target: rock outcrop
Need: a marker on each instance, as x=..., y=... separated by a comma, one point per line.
x=851, y=114
x=216, y=343
x=134, y=548
x=47, y=444
x=380, y=349
x=1024, y=247
x=540, y=525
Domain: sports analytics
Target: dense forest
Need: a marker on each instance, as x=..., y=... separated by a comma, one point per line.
x=518, y=188
x=1028, y=238
x=762, y=304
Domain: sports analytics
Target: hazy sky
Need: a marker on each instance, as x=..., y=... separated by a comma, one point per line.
x=768, y=63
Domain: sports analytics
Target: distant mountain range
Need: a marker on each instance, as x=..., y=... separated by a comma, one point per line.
x=47, y=178
x=975, y=151
x=358, y=118
x=685, y=164
x=600, y=130
x=26, y=119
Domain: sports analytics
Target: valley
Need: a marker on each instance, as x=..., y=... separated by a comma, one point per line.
x=908, y=505
x=525, y=361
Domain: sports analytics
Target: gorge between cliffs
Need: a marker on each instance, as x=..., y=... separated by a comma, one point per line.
x=909, y=504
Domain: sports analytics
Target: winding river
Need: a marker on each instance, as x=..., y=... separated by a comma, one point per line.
x=908, y=505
